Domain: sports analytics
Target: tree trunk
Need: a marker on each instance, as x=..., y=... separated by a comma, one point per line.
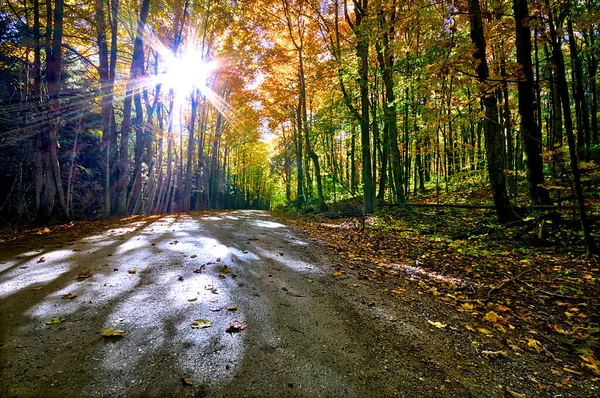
x=491, y=130
x=583, y=121
x=529, y=128
x=564, y=95
x=135, y=72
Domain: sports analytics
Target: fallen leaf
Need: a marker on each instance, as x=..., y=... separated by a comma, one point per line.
x=37, y=288
x=186, y=381
x=104, y=265
x=475, y=344
x=193, y=299
x=236, y=327
x=86, y=273
x=132, y=271
x=68, y=296
x=467, y=307
x=225, y=270
x=201, y=324
x=232, y=308
x=484, y=331
x=570, y=370
x=437, y=324
x=112, y=332
x=533, y=343
x=469, y=327
x=56, y=320
x=494, y=354
x=337, y=273
x=45, y=230
x=591, y=367
x=398, y=291
x=193, y=256
x=41, y=260
x=492, y=317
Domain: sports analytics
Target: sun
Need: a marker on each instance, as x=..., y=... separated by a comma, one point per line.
x=187, y=72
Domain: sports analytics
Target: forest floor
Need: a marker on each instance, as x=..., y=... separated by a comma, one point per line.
x=238, y=303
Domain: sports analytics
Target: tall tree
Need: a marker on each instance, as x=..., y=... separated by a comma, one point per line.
x=529, y=128
x=491, y=127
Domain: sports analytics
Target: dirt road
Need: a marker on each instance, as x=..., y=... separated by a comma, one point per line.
x=308, y=333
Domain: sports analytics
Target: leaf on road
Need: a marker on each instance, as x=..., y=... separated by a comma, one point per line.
x=467, y=307
x=232, y=308
x=37, y=288
x=112, y=332
x=86, y=273
x=236, y=327
x=132, y=271
x=104, y=265
x=193, y=256
x=68, y=296
x=193, y=299
x=484, y=331
x=225, y=270
x=41, y=260
x=398, y=291
x=201, y=324
x=437, y=324
x=56, y=321
x=469, y=327
x=45, y=230
x=337, y=273
x=186, y=381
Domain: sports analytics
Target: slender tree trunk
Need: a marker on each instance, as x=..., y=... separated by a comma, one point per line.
x=493, y=136
x=136, y=71
x=564, y=95
x=529, y=128
x=583, y=121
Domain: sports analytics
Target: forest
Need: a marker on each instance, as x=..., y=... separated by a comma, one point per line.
x=432, y=167
x=117, y=108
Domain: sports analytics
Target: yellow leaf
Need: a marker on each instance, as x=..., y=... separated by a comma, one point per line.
x=469, y=327
x=232, y=308
x=591, y=367
x=201, y=324
x=68, y=296
x=502, y=308
x=587, y=276
x=590, y=359
x=484, y=331
x=475, y=344
x=187, y=381
x=437, y=324
x=337, y=273
x=56, y=320
x=492, y=317
x=467, y=307
x=566, y=369
x=533, y=343
x=104, y=265
x=37, y=288
x=398, y=291
x=112, y=332
x=132, y=271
